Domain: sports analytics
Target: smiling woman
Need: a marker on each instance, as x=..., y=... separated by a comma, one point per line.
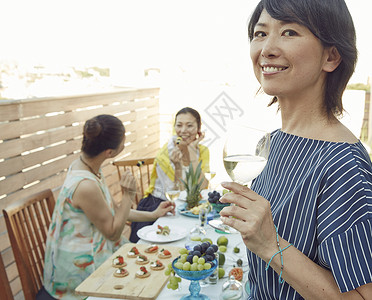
x=311, y=201
x=183, y=149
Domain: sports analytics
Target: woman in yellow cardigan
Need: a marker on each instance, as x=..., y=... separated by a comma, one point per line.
x=171, y=161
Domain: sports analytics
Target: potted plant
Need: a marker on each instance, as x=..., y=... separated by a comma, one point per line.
x=192, y=185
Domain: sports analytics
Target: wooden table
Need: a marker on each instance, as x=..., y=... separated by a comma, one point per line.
x=212, y=291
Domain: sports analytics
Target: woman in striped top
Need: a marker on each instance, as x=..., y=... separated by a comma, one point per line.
x=315, y=192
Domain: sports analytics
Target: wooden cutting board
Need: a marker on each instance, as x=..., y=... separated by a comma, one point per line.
x=102, y=283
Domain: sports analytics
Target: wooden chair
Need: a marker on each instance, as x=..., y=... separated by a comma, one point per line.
x=141, y=169
x=27, y=222
x=6, y=293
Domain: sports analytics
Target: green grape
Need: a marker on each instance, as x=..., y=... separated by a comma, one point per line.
x=169, y=286
x=178, y=265
x=175, y=286
x=194, y=267
x=186, y=266
x=173, y=280
x=170, y=266
x=201, y=261
x=182, y=259
x=167, y=272
x=178, y=279
x=183, y=251
x=207, y=266
x=200, y=267
x=195, y=259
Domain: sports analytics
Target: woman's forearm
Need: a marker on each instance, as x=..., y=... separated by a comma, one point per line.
x=141, y=216
x=309, y=279
x=120, y=217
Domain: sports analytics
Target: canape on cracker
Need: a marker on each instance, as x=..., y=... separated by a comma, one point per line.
x=133, y=252
x=121, y=272
x=142, y=273
x=118, y=262
x=164, y=254
x=152, y=249
x=157, y=265
x=142, y=260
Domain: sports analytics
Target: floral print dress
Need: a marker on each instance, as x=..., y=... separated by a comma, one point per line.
x=75, y=247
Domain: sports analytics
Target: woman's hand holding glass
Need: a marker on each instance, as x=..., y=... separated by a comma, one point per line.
x=251, y=216
x=163, y=208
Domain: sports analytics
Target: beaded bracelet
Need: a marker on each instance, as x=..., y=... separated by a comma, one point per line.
x=281, y=256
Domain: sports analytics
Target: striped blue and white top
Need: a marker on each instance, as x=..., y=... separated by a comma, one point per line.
x=321, y=201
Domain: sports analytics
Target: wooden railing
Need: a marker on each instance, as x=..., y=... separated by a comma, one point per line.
x=39, y=139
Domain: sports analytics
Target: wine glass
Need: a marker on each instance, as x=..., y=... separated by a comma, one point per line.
x=194, y=276
x=173, y=192
x=209, y=176
x=245, y=153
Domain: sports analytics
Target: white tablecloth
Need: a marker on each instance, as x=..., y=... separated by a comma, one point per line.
x=212, y=291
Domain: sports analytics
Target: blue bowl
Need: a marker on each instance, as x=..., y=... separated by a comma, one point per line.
x=219, y=206
x=194, y=275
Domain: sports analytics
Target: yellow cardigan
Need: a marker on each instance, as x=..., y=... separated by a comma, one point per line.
x=162, y=159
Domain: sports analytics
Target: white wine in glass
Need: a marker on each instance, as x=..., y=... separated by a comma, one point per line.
x=172, y=195
x=173, y=192
x=245, y=153
x=209, y=176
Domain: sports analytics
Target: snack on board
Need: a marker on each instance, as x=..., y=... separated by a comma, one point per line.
x=142, y=260
x=133, y=252
x=163, y=230
x=152, y=249
x=164, y=254
x=142, y=273
x=157, y=265
x=118, y=262
x=121, y=272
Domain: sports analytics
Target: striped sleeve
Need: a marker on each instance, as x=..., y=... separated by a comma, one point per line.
x=344, y=223
x=349, y=256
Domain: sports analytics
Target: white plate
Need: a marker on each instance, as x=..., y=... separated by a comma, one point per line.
x=217, y=224
x=149, y=234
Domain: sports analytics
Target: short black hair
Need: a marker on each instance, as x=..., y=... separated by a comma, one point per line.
x=330, y=21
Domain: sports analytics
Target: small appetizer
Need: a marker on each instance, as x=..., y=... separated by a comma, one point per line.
x=142, y=260
x=118, y=262
x=164, y=254
x=157, y=265
x=163, y=230
x=121, y=272
x=142, y=273
x=152, y=249
x=178, y=140
x=133, y=252
x=237, y=272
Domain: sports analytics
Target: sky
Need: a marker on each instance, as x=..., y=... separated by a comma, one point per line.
x=195, y=35
x=200, y=46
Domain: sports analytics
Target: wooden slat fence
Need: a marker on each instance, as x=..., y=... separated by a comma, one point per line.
x=39, y=138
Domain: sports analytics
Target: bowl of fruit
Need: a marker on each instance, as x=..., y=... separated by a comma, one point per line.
x=214, y=200
x=195, y=265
